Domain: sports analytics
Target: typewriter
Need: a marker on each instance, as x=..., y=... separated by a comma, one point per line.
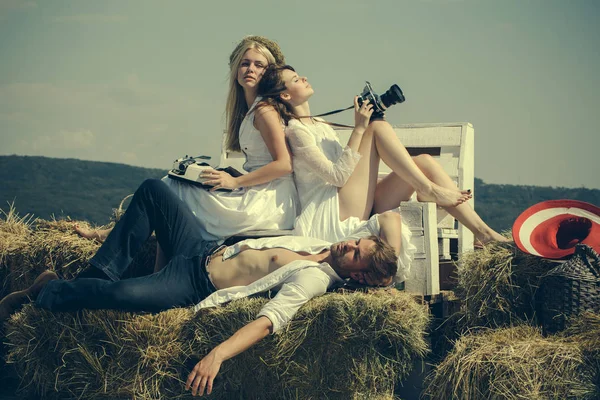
x=188, y=169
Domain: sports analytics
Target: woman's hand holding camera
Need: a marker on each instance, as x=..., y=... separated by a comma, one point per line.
x=362, y=114
x=219, y=180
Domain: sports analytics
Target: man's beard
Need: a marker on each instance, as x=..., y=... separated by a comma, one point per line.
x=337, y=257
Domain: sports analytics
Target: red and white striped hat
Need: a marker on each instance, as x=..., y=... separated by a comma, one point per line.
x=552, y=228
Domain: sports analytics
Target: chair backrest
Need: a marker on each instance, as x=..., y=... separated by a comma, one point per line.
x=235, y=159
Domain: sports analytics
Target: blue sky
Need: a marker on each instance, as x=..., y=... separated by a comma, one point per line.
x=143, y=82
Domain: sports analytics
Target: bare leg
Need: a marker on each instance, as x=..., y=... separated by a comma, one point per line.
x=392, y=190
x=395, y=155
x=357, y=195
x=98, y=235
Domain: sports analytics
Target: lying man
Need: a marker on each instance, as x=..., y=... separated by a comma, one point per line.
x=299, y=268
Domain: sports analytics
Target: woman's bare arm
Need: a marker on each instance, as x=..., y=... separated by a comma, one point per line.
x=268, y=123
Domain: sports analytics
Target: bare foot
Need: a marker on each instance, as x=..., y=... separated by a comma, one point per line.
x=98, y=235
x=444, y=197
x=40, y=282
x=11, y=303
x=493, y=236
x=14, y=301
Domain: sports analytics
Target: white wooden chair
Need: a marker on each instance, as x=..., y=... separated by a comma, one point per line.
x=434, y=232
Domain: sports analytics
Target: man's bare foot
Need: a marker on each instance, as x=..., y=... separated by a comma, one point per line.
x=40, y=282
x=98, y=235
x=445, y=197
x=14, y=301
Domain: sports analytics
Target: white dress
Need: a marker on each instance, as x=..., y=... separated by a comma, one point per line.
x=321, y=166
x=267, y=206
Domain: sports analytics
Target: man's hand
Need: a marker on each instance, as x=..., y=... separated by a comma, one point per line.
x=203, y=374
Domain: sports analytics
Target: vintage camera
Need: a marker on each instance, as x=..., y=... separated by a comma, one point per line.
x=381, y=103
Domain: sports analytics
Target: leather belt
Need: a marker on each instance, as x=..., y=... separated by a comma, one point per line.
x=209, y=256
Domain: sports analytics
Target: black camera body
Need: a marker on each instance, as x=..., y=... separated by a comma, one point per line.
x=381, y=103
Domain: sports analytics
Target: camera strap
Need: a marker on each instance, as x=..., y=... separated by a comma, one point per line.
x=334, y=112
x=331, y=113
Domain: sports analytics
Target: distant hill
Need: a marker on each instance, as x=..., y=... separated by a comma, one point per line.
x=500, y=205
x=89, y=190
x=82, y=190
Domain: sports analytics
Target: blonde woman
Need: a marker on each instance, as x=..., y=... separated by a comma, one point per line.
x=265, y=198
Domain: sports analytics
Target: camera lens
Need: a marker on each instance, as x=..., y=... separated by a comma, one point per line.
x=393, y=96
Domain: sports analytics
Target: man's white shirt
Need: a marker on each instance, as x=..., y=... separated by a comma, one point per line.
x=296, y=282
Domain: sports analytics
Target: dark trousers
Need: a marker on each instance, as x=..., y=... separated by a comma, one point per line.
x=182, y=282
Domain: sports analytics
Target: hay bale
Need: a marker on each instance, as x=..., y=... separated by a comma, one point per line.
x=15, y=232
x=26, y=250
x=497, y=285
x=94, y=354
x=513, y=363
x=341, y=345
x=584, y=330
x=54, y=245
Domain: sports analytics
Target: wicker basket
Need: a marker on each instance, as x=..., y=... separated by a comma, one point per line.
x=570, y=288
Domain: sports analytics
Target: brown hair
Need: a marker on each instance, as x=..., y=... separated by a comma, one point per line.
x=270, y=88
x=384, y=261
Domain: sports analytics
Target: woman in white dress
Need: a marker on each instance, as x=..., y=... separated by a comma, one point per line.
x=338, y=186
x=265, y=197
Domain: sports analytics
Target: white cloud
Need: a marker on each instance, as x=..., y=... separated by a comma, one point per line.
x=128, y=157
x=64, y=141
x=89, y=19
x=128, y=121
x=77, y=139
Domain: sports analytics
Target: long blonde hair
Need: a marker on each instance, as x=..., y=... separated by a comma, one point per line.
x=236, y=107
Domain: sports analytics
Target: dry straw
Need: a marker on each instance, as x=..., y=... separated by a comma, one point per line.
x=584, y=330
x=15, y=232
x=28, y=248
x=341, y=345
x=497, y=285
x=513, y=363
